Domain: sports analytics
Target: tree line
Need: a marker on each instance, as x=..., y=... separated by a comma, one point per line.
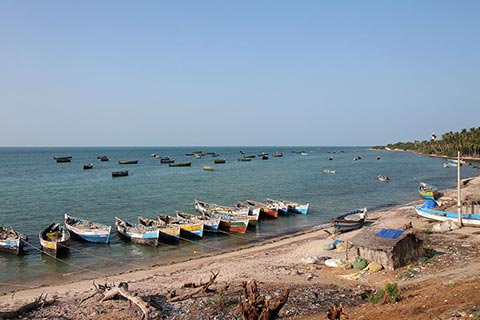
x=465, y=141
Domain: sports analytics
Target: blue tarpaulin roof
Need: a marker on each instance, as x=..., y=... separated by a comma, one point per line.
x=389, y=233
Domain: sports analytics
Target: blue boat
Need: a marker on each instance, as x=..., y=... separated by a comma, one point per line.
x=349, y=221
x=428, y=210
x=86, y=230
x=11, y=241
x=137, y=233
x=427, y=191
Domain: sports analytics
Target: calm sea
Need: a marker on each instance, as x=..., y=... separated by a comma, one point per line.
x=35, y=191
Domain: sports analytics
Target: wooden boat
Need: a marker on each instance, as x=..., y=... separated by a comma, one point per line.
x=86, y=230
x=167, y=233
x=137, y=233
x=87, y=166
x=11, y=241
x=103, y=158
x=378, y=158
x=210, y=223
x=244, y=159
x=187, y=228
x=54, y=239
x=219, y=161
x=426, y=211
x=253, y=213
x=427, y=191
x=296, y=207
x=303, y=153
x=268, y=210
x=123, y=173
x=282, y=206
x=349, y=221
x=166, y=160
x=63, y=159
x=228, y=221
x=383, y=178
x=277, y=155
x=180, y=164
x=264, y=157
x=209, y=168
x=127, y=161
x=204, y=206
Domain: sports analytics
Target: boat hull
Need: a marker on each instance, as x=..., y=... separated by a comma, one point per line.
x=99, y=235
x=148, y=236
x=472, y=220
x=54, y=247
x=12, y=246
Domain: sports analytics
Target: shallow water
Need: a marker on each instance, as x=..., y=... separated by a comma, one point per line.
x=35, y=191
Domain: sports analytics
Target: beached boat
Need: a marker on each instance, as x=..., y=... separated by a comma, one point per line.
x=296, y=207
x=180, y=164
x=167, y=233
x=428, y=210
x=187, y=228
x=127, y=161
x=228, y=221
x=219, y=161
x=268, y=210
x=282, y=206
x=427, y=191
x=122, y=173
x=87, y=230
x=137, y=233
x=11, y=241
x=54, y=239
x=383, y=178
x=210, y=224
x=87, y=166
x=349, y=221
x=209, y=168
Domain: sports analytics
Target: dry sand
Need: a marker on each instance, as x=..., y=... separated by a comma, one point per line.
x=448, y=284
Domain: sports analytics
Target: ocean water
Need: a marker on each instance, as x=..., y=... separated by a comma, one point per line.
x=35, y=191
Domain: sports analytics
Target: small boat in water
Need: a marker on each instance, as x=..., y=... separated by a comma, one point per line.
x=86, y=230
x=167, y=233
x=103, y=158
x=210, y=223
x=230, y=220
x=54, y=239
x=127, y=161
x=11, y=241
x=137, y=233
x=87, y=166
x=244, y=159
x=282, y=206
x=383, y=178
x=268, y=210
x=329, y=171
x=277, y=155
x=349, y=221
x=166, y=160
x=187, y=228
x=122, y=173
x=427, y=191
x=63, y=159
x=296, y=207
x=209, y=168
x=180, y=164
x=219, y=161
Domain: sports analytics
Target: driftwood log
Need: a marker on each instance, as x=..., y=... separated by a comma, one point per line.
x=39, y=303
x=257, y=307
x=203, y=287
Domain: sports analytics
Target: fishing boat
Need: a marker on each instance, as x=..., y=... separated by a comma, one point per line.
x=122, y=173
x=329, y=171
x=187, y=228
x=228, y=221
x=277, y=154
x=253, y=213
x=219, y=161
x=282, y=206
x=209, y=168
x=11, y=241
x=63, y=159
x=127, y=161
x=87, y=166
x=86, y=230
x=54, y=239
x=166, y=160
x=179, y=164
x=210, y=224
x=430, y=210
x=268, y=210
x=427, y=191
x=244, y=159
x=383, y=178
x=264, y=157
x=296, y=207
x=454, y=163
x=349, y=221
x=103, y=158
x=137, y=233
x=167, y=233
x=204, y=206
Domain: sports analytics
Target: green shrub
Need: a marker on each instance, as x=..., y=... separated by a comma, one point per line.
x=387, y=294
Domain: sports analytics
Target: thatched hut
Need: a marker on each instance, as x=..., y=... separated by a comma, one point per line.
x=391, y=253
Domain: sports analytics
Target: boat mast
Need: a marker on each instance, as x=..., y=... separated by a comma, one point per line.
x=459, y=204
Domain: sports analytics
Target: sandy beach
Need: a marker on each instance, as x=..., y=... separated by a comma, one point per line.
x=446, y=285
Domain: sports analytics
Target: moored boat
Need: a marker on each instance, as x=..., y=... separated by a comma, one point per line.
x=383, y=178
x=277, y=155
x=63, y=159
x=188, y=228
x=127, y=161
x=230, y=220
x=167, y=233
x=282, y=206
x=11, y=241
x=86, y=230
x=209, y=168
x=427, y=191
x=210, y=223
x=329, y=171
x=167, y=160
x=122, y=173
x=296, y=207
x=180, y=164
x=219, y=161
x=268, y=210
x=103, y=158
x=137, y=233
x=349, y=221
x=87, y=166
x=54, y=239
x=244, y=159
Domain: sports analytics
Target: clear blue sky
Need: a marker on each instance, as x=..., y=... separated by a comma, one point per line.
x=87, y=73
